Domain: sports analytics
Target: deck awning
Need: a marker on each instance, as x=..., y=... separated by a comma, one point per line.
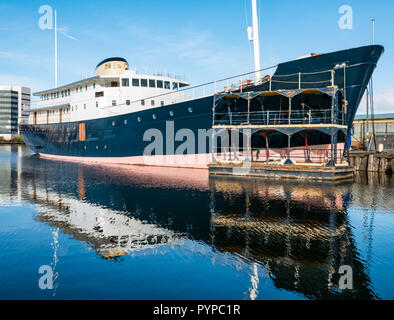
x=330, y=91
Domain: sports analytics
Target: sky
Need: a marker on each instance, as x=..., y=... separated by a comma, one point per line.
x=204, y=40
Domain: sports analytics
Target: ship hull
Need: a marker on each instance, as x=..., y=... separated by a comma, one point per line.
x=124, y=139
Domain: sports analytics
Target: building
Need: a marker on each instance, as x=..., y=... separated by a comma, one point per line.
x=384, y=129
x=13, y=101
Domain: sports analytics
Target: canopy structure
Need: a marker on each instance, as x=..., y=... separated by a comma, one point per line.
x=283, y=112
x=329, y=91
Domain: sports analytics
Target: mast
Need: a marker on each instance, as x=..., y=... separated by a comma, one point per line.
x=256, y=41
x=56, y=70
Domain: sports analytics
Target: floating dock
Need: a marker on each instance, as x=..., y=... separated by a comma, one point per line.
x=277, y=171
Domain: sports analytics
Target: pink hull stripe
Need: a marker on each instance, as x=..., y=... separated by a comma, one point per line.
x=200, y=161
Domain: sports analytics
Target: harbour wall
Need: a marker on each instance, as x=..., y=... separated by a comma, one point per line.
x=372, y=161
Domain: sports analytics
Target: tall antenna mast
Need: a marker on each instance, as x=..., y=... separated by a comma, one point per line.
x=373, y=31
x=56, y=71
x=256, y=40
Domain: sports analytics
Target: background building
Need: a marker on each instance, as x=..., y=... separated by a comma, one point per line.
x=363, y=129
x=13, y=100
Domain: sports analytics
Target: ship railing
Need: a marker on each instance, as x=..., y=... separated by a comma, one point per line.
x=299, y=155
x=278, y=118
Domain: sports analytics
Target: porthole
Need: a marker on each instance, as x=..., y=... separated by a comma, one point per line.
x=190, y=109
x=139, y=119
x=154, y=117
x=125, y=122
x=171, y=113
x=113, y=123
x=97, y=147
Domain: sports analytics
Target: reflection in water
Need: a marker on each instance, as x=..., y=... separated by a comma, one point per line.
x=299, y=233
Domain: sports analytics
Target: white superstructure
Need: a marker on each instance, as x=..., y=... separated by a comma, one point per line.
x=114, y=90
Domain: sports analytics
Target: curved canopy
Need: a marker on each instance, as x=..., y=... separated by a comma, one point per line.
x=330, y=91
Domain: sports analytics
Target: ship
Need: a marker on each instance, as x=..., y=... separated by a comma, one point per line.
x=114, y=116
x=120, y=116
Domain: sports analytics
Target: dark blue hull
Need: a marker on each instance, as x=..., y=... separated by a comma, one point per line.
x=122, y=136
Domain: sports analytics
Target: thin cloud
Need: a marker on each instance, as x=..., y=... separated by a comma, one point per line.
x=383, y=101
x=64, y=31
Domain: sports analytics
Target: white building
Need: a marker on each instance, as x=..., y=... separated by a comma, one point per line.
x=13, y=101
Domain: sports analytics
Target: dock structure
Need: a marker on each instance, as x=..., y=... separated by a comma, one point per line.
x=258, y=124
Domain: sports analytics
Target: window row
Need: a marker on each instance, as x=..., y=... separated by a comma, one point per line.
x=65, y=93
x=150, y=83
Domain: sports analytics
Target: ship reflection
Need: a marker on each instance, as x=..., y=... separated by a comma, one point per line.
x=297, y=232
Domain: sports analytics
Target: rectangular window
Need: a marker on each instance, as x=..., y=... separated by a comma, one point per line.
x=160, y=84
x=136, y=82
x=100, y=94
x=125, y=83
x=144, y=83
x=152, y=103
x=152, y=84
x=175, y=86
x=162, y=103
x=94, y=86
x=142, y=102
x=127, y=102
x=167, y=85
x=113, y=103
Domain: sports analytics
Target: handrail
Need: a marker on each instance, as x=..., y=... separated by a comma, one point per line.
x=285, y=117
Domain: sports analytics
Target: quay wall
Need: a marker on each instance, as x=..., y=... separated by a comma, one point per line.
x=373, y=161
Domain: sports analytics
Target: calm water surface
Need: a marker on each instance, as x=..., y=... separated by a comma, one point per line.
x=139, y=233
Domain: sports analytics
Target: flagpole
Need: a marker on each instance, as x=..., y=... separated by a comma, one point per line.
x=56, y=53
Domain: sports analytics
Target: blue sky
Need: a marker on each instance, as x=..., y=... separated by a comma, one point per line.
x=205, y=40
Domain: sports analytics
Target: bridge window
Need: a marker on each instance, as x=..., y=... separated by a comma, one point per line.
x=152, y=84
x=144, y=83
x=175, y=86
x=167, y=85
x=160, y=84
x=125, y=83
x=136, y=82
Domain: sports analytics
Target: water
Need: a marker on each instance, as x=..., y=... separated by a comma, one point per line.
x=150, y=233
